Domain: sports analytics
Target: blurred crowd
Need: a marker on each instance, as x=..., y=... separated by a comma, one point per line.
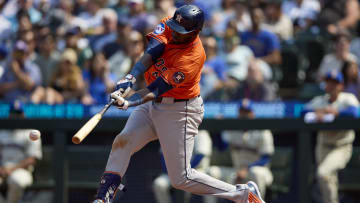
x=56, y=51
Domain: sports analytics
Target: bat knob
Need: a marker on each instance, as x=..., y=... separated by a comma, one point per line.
x=75, y=140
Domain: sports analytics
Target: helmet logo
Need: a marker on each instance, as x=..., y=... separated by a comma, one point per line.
x=178, y=18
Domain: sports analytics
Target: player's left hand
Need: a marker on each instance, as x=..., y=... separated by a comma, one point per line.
x=124, y=85
x=120, y=102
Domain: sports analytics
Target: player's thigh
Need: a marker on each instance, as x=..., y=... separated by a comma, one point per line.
x=138, y=130
x=334, y=159
x=263, y=173
x=176, y=134
x=20, y=177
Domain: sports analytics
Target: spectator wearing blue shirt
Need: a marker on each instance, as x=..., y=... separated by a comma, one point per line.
x=21, y=76
x=264, y=44
x=214, y=71
x=99, y=81
x=108, y=34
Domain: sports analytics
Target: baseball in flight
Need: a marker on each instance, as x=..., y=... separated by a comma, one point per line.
x=34, y=135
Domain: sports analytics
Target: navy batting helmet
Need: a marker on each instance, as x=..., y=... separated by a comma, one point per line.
x=187, y=18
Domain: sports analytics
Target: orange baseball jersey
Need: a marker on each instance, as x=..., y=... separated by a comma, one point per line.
x=180, y=64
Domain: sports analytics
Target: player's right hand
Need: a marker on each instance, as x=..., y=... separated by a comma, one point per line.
x=124, y=85
x=120, y=102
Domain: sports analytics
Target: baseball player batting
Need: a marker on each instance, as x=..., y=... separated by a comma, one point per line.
x=171, y=66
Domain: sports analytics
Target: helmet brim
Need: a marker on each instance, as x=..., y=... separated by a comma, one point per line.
x=174, y=25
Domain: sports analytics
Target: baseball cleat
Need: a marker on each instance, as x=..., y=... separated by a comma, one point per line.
x=98, y=201
x=254, y=193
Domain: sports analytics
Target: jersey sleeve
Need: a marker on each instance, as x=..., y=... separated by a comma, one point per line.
x=161, y=33
x=352, y=100
x=267, y=144
x=316, y=103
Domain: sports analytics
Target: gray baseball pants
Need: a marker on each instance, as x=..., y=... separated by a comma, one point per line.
x=175, y=125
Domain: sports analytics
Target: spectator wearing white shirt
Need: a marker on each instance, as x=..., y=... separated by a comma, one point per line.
x=276, y=21
x=334, y=61
x=303, y=13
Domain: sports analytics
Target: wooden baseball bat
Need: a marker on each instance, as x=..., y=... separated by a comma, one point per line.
x=90, y=125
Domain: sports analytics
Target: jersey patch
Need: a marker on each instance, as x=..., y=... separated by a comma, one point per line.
x=159, y=29
x=178, y=77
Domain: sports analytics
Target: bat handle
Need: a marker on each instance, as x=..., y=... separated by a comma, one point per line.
x=107, y=106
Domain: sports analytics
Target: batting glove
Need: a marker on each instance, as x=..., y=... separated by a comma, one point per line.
x=124, y=85
x=120, y=102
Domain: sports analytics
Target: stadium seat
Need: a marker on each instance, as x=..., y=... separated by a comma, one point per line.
x=281, y=167
x=349, y=177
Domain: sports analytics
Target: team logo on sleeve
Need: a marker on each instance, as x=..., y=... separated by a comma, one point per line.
x=159, y=29
x=178, y=77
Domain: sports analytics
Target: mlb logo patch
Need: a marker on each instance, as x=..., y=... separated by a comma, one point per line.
x=159, y=29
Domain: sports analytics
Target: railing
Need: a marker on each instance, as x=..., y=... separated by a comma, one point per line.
x=303, y=155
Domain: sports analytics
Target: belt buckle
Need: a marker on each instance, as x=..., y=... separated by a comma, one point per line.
x=167, y=100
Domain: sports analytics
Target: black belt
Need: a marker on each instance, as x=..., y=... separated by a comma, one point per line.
x=159, y=99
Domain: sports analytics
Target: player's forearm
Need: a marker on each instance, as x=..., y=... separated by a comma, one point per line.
x=142, y=65
x=273, y=58
x=352, y=14
x=152, y=52
x=30, y=161
x=25, y=80
x=140, y=97
x=6, y=87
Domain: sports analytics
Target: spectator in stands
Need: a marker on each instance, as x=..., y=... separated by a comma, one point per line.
x=3, y=55
x=108, y=32
x=62, y=17
x=335, y=60
x=255, y=87
x=242, y=17
x=21, y=76
x=74, y=40
x=28, y=36
x=264, y=44
x=117, y=52
x=200, y=160
x=139, y=19
x=350, y=70
x=18, y=156
x=276, y=21
x=164, y=8
x=213, y=75
x=47, y=58
x=93, y=16
x=66, y=84
x=121, y=8
x=251, y=152
x=20, y=8
x=333, y=148
x=338, y=15
x=98, y=80
x=303, y=13
x=237, y=56
x=23, y=22
x=119, y=44
x=5, y=26
x=134, y=50
x=221, y=17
